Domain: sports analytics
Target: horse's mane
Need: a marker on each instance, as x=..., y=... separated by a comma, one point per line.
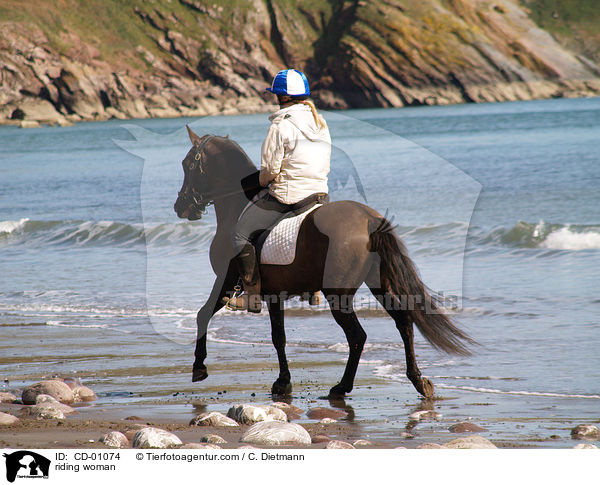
x=240, y=165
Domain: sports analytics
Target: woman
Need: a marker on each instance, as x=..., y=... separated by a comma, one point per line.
x=294, y=165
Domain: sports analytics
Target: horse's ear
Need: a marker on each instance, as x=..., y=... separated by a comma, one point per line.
x=195, y=139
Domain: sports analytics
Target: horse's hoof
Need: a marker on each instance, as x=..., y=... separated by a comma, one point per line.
x=337, y=392
x=199, y=375
x=281, y=388
x=426, y=388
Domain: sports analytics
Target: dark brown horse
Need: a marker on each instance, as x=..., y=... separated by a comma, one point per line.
x=340, y=245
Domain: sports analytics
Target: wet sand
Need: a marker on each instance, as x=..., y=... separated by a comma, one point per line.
x=84, y=428
x=147, y=376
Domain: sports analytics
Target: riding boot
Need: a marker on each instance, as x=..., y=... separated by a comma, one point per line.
x=248, y=269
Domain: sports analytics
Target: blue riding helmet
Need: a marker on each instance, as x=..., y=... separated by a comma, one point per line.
x=290, y=82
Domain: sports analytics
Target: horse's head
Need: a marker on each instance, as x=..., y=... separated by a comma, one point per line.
x=215, y=168
x=195, y=194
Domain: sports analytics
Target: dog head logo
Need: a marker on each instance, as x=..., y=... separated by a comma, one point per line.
x=26, y=464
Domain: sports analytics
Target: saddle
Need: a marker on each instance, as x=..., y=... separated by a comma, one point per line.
x=278, y=244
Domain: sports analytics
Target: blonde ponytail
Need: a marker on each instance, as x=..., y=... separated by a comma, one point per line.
x=319, y=120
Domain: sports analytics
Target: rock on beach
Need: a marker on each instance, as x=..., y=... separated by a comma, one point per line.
x=293, y=412
x=45, y=411
x=83, y=394
x=585, y=431
x=115, y=439
x=8, y=419
x=339, y=445
x=214, y=439
x=250, y=413
x=422, y=415
x=49, y=405
x=470, y=442
x=322, y=413
x=199, y=446
x=7, y=397
x=213, y=419
x=274, y=433
x=55, y=388
x=465, y=428
x=155, y=438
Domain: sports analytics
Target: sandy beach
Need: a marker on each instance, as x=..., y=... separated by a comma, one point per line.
x=326, y=422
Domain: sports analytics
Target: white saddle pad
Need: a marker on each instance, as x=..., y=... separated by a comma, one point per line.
x=280, y=245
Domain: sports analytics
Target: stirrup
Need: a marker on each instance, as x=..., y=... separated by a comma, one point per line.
x=237, y=293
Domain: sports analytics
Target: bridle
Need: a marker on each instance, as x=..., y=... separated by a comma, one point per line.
x=201, y=200
x=190, y=195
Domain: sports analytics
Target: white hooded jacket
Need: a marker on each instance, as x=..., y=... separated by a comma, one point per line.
x=295, y=155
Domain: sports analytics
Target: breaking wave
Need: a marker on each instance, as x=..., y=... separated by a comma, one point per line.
x=442, y=238
x=572, y=237
x=103, y=233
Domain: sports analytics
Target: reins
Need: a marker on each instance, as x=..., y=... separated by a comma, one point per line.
x=199, y=199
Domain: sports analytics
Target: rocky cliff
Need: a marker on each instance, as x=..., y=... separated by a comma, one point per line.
x=67, y=60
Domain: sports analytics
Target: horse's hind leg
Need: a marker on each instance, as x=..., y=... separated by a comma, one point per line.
x=423, y=385
x=343, y=311
x=282, y=386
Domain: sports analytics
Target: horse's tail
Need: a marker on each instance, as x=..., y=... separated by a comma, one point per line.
x=400, y=279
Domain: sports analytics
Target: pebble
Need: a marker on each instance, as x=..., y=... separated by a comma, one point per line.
x=465, y=428
x=585, y=431
x=585, y=446
x=470, y=442
x=420, y=415
x=55, y=388
x=430, y=446
x=339, y=445
x=72, y=382
x=8, y=419
x=155, y=438
x=321, y=438
x=328, y=421
x=362, y=443
x=84, y=394
x=406, y=436
x=250, y=413
x=63, y=408
x=7, y=397
x=322, y=413
x=45, y=411
x=40, y=398
x=197, y=446
x=276, y=433
x=130, y=433
x=214, y=439
x=115, y=439
x=213, y=419
x=293, y=412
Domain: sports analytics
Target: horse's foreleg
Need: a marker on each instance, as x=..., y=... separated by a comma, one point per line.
x=212, y=306
x=282, y=386
x=346, y=318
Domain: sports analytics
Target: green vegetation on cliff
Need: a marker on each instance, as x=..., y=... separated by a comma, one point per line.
x=576, y=23
x=96, y=59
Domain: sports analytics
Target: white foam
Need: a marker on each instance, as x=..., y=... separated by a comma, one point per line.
x=8, y=227
x=564, y=238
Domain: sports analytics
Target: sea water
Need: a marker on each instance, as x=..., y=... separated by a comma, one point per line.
x=498, y=205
